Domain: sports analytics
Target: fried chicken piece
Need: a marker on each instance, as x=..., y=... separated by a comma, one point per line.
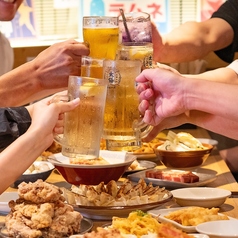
x=39, y=192
x=18, y=229
x=35, y=217
x=66, y=221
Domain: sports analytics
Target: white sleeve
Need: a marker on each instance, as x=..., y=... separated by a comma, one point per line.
x=234, y=66
x=6, y=55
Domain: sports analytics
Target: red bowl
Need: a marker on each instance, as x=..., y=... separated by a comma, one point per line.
x=93, y=174
x=184, y=159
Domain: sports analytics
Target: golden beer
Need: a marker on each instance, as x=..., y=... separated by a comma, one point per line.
x=103, y=42
x=102, y=35
x=83, y=126
x=91, y=67
x=121, y=109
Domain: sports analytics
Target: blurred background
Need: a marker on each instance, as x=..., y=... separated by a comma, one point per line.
x=40, y=23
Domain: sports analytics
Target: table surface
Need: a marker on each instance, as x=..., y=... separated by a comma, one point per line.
x=224, y=180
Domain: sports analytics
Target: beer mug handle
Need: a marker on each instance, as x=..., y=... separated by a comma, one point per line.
x=144, y=128
x=56, y=99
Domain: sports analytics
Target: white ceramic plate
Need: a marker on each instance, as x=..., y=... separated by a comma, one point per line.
x=143, y=163
x=4, y=199
x=218, y=229
x=205, y=176
x=208, y=141
x=161, y=213
x=107, y=212
x=201, y=196
x=86, y=226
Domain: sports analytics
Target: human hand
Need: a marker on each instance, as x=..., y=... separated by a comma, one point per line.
x=161, y=95
x=56, y=63
x=47, y=116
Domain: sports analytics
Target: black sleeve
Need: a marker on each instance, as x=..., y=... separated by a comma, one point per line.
x=13, y=123
x=229, y=12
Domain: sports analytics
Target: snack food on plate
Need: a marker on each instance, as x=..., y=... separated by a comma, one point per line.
x=94, y=161
x=175, y=176
x=113, y=195
x=193, y=216
x=141, y=224
x=181, y=141
x=41, y=211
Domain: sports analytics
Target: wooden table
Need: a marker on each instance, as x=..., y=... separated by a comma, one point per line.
x=224, y=180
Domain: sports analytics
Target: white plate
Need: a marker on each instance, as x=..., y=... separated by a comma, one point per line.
x=205, y=176
x=143, y=163
x=208, y=141
x=107, y=212
x=86, y=226
x=218, y=229
x=203, y=197
x=5, y=198
x=198, y=235
x=160, y=213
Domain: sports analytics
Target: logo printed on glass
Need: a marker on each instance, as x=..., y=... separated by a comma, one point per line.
x=148, y=61
x=113, y=76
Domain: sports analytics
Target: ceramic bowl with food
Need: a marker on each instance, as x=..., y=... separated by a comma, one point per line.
x=200, y=196
x=184, y=159
x=92, y=174
x=38, y=170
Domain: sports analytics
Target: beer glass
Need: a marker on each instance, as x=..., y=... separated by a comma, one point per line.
x=136, y=27
x=136, y=50
x=91, y=67
x=83, y=126
x=123, y=127
x=102, y=35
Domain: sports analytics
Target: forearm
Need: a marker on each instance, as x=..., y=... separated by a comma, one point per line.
x=21, y=86
x=215, y=98
x=16, y=158
x=214, y=123
x=193, y=40
x=223, y=75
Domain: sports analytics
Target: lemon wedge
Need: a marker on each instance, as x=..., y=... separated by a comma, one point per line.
x=89, y=89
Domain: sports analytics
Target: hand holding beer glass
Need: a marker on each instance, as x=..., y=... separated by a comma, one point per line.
x=123, y=127
x=83, y=126
x=102, y=35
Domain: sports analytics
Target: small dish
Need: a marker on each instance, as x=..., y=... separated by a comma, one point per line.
x=200, y=196
x=144, y=164
x=184, y=159
x=32, y=177
x=161, y=213
x=205, y=176
x=218, y=229
x=5, y=198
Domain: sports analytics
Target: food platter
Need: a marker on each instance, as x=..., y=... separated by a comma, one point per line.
x=205, y=176
x=107, y=212
x=161, y=213
x=86, y=226
x=145, y=164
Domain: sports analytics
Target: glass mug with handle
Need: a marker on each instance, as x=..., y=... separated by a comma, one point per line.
x=102, y=35
x=123, y=125
x=83, y=126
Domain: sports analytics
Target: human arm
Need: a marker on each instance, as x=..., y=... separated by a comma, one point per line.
x=174, y=95
x=47, y=119
x=191, y=40
x=47, y=74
